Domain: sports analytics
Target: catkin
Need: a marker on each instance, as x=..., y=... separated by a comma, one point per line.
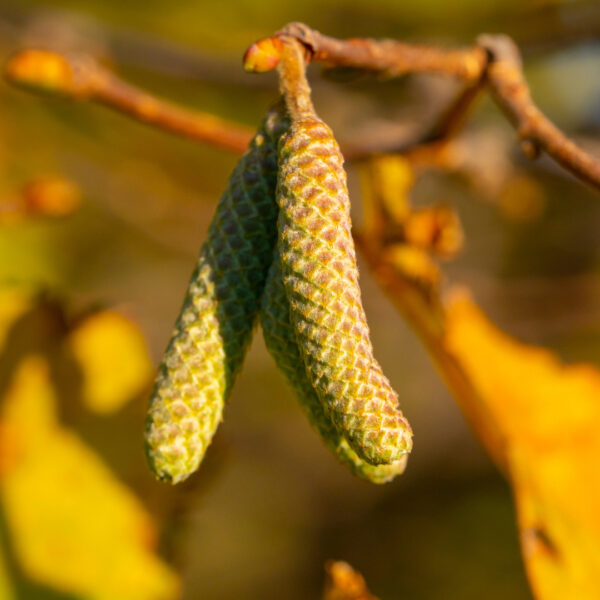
x=214, y=327
x=321, y=282
x=280, y=340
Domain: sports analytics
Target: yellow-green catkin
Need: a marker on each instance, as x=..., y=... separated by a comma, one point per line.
x=214, y=327
x=280, y=340
x=321, y=282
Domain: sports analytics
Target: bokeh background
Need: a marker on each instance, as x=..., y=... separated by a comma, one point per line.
x=269, y=505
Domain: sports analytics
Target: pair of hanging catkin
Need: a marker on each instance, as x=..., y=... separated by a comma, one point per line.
x=290, y=186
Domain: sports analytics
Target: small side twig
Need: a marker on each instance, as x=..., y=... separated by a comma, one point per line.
x=81, y=78
x=453, y=117
x=431, y=140
x=430, y=145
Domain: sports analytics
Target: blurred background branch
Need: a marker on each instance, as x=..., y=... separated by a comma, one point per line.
x=81, y=78
x=495, y=61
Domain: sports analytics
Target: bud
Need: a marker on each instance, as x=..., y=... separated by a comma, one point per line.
x=263, y=56
x=45, y=71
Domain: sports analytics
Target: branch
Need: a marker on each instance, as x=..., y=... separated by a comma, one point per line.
x=510, y=91
x=494, y=61
x=81, y=78
x=389, y=57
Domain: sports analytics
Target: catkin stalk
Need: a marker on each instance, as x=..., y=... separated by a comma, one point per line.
x=214, y=327
x=280, y=340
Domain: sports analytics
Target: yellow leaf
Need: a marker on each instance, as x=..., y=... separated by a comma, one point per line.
x=549, y=416
x=386, y=182
x=393, y=179
x=114, y=359
x=561, y=552
x=413, y=263
x=73, y=526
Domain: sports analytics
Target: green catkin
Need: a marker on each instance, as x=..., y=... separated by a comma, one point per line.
x=321, y=282
x=280, y=340
x=215, y=324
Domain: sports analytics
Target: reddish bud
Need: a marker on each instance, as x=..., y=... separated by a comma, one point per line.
x=263, y=56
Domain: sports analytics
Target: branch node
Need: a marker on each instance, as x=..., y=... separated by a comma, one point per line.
x=530, y=148
x=500, y=47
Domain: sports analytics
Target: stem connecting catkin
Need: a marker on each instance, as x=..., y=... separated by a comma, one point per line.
x=215, y=324
x=321, y=280
x=280, y=340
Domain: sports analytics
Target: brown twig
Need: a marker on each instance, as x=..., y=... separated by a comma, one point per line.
x=510, y=91
x=429, y=141
x=81, y=78
x=453, y=117
x=389, y=58
x=430, y=147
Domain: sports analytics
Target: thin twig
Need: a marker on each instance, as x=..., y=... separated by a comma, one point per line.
x=81, y=78
x=429, y=140
x=429, y=145
x=453, y=117
x=389, y=58
x=199, y=126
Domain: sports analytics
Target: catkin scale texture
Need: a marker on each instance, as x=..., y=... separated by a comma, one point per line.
x=214, y=327
x=280, y=340
x=321, y=282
